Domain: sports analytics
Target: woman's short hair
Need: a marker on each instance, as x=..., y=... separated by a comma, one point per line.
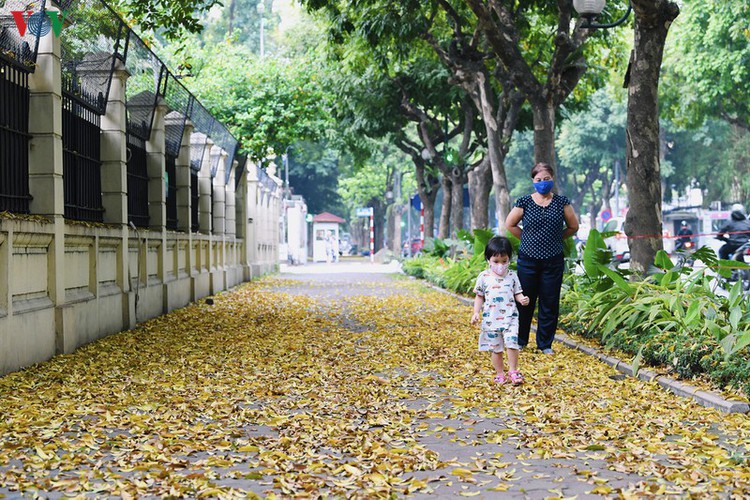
x=541, y=166
x=498, y=245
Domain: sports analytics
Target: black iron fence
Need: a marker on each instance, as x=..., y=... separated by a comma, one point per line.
x=81, y=161
x=194, y=200
x=14, y=139
x=171, y=168
x=137, y=182
x=94, y=42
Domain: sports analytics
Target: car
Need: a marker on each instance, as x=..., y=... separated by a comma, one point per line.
x=416, y=247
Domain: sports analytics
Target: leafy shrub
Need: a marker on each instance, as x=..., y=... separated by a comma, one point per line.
x=673, y=318
x=427, y=267
x=462, y=275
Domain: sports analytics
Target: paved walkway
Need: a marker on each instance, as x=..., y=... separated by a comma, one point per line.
x=348, y=380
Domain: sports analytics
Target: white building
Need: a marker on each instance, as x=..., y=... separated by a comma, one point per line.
x=324, y=224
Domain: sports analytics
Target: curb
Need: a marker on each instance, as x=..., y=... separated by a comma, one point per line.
x=703, y=398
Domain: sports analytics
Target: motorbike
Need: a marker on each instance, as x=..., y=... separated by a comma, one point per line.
x=684, y=253
x=739, y=256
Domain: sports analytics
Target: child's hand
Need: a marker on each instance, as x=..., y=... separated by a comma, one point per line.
x=522, y=299
x=475, y=318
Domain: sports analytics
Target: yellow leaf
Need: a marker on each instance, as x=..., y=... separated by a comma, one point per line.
x=601, y=490
x=458, y=471
x=42, y=454
x=500, y=487
x=352, y=470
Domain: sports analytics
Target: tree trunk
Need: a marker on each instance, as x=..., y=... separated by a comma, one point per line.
x=429, y=219
x=427, y=189
x=544, y=133
x=390, y=232
x=379, y=221
x=644, y=220
x=457, y=201
x=445, y=213
x=500, y=127
x=480, y=185
x=398, y=211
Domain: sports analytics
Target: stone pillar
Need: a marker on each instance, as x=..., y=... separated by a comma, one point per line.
x=253, y=217
x=183, y=180
x=156, y=164
x=231, y=204
x=114, y=175
x=45, y=128
x=217, y=184
x=46, y=175
x=204, y=188
x=114, y=151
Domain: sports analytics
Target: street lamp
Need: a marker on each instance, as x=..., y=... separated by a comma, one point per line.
x=261, y=10
x=590, y=9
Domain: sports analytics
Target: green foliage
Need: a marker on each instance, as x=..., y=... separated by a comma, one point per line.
x=268, y=104
x=707, y=62
x=436, y=247
x=458, y=275
x=314, y=173
x=673, y=319
x=427, y=267
x=173, y=18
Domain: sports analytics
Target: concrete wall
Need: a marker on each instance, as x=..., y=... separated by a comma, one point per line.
x=66, y=283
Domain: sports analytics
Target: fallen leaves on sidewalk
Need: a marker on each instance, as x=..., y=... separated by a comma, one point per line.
x=268, y=393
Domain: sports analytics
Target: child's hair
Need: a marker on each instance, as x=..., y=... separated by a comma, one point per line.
x=498, y=245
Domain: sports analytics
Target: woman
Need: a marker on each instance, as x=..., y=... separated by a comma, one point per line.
x=546, y=220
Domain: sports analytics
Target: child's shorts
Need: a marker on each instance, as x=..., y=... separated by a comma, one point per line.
x=498, y=341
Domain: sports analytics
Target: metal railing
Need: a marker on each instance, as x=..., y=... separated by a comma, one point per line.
x=137, y=182
x=171, y=168
x=81, y=161
x=194, y=200
x=14, y=139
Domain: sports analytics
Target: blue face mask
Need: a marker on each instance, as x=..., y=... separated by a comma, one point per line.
x=544, y=187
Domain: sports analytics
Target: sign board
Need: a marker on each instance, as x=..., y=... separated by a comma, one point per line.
x=364, y=212
x=605, y=215
x=416, y=202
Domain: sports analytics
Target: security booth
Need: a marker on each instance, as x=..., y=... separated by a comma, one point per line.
x=325, y=224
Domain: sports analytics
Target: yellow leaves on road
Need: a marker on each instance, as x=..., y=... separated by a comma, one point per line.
x=274, y=395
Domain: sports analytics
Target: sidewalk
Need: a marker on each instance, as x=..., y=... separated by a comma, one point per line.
x=346, y=381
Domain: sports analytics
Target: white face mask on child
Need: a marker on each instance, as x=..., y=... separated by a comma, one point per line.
x=499, y=269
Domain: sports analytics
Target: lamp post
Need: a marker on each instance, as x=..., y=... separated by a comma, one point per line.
x=590, y=9
x=261, y=11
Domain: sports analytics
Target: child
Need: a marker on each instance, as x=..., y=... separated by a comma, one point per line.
x=497, y=291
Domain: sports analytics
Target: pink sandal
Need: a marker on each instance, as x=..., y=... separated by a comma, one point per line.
x=500, y=379
x=515, y=377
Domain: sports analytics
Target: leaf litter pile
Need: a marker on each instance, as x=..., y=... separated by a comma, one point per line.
x=272, y=394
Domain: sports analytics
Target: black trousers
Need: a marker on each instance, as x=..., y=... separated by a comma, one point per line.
x=541, y=280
